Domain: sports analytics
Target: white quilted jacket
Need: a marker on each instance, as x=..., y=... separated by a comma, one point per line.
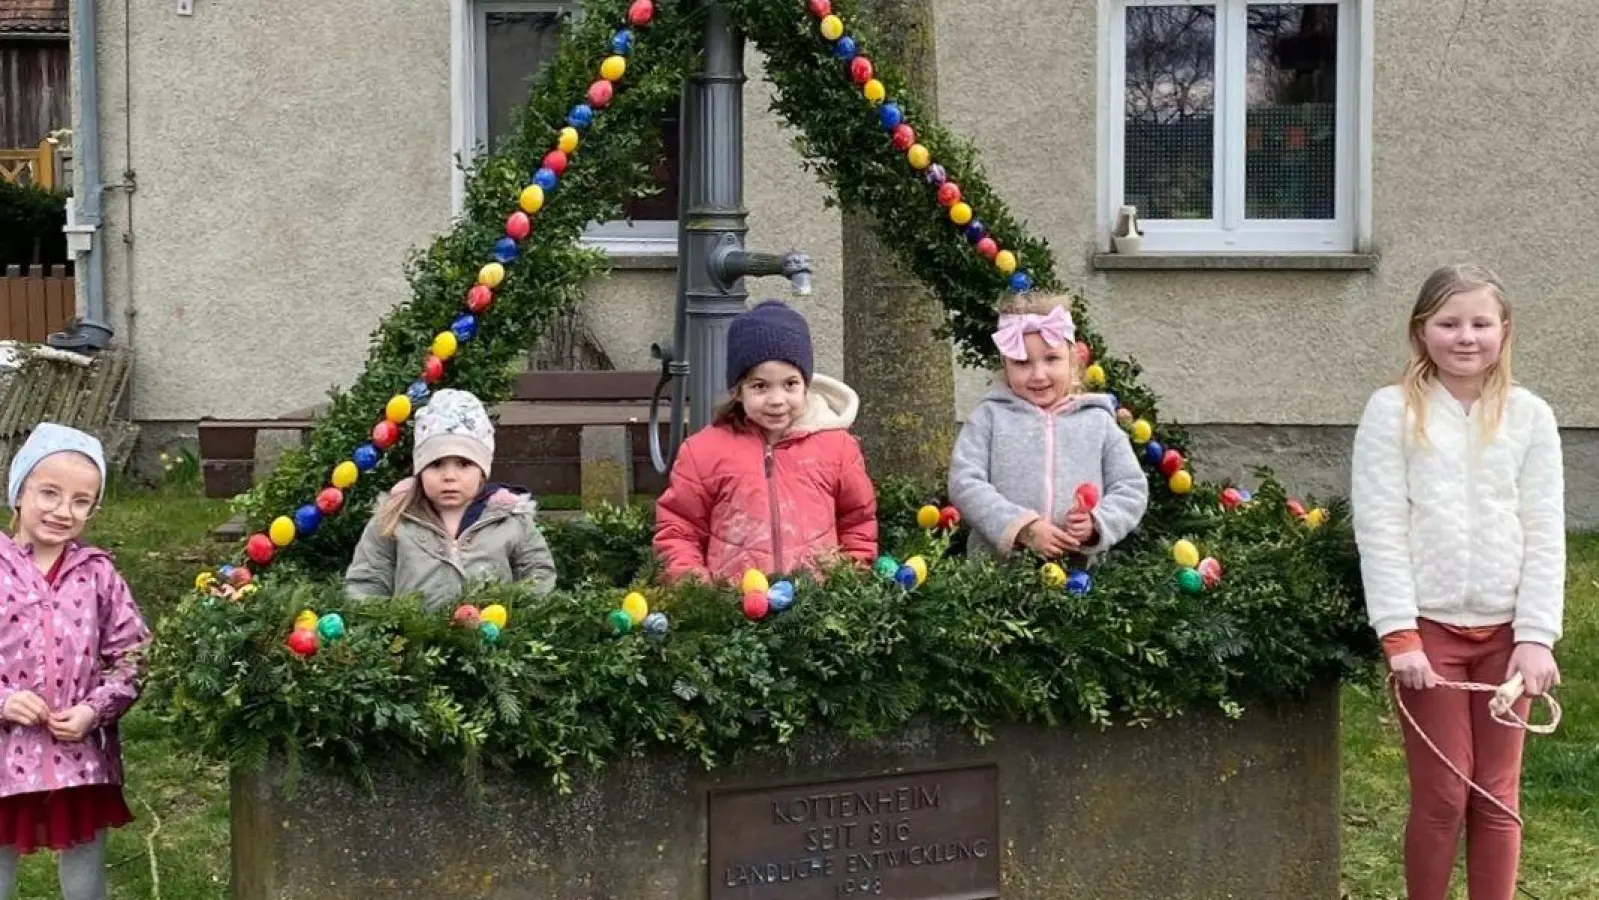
x=1464, y=531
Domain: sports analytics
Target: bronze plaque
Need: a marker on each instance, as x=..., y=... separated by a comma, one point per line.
x=927, y=835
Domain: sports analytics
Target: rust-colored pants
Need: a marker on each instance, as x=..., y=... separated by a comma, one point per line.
x=1488, y=752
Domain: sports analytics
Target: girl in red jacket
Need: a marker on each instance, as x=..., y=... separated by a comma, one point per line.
x=777, y=483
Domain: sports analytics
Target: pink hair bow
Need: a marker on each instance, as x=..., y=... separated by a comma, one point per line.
x=1055, y=328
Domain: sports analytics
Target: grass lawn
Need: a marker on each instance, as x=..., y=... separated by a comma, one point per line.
x=178, y=848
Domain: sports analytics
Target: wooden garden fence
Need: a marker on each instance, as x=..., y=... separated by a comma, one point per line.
x=35, y=303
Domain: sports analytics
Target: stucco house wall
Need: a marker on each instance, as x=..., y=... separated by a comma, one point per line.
x=288, y=159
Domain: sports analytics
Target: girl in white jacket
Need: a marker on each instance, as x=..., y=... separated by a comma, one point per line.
x=1458, y=503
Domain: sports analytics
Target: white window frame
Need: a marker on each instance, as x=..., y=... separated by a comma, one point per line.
x=1227, y=231
x=469, y=114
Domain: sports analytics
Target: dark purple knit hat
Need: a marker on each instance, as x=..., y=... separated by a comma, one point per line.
x=770, y=331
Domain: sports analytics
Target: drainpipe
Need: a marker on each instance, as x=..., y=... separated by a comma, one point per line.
x=85, y=215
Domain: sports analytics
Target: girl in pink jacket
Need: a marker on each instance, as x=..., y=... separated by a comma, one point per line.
x=71, y=651
x=777, y=483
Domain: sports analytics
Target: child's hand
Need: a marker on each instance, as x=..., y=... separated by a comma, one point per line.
x=1046, y=540
x=74, y=724
x=26, y=708
x=1537, y=666
x=1413, y=670
x=1079, y=528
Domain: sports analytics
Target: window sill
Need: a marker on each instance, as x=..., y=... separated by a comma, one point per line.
x=1305, y=262
x=635, y=261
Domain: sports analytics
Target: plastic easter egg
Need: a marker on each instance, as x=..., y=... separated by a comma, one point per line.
x=831, y=27
x=620, y=621
x=432, y=369
x=821, y=9
x=385, y=434
x=418, y=392
x=568, y=139
x=1142, y=431
x=1021, y=283
x=918, y=157
x=1079, y=583
x=905, y=577
x=949, y=194
x=845, y=48
x=281, y=531
x=366, y=457
x=613, y=68
x=927, y=517
x=1231, y=498
x=1210, y=571
x=1185, y=554
x=949, y=518
x=1315, y=518
x=756, y=605
x=466, y=616
x=860, y=70
x=464, y=327
x=398, y=409
x=307, y=518
x=1005, y=261
x=960, y=213
x=496, y=614
x=1181, y=482
x=303, y=642
x=1052, y=575
x=260, y=549
x=1190, y=581
x=490, y=632
x=636, y=606
x=755, y=581
x=531, y=199
x=204, y=581
x=546, y=179
x=1094, y=376
x=885, y=567
x=504, y=251
x=1295, y=508
x=581, y=116
x=600, y=94
x=919, y=566
x=479, y=297
x=1170, y=462
x=976, y=231
x=986, y=248
x=330, y=626
x=306, y=620
x=445, y=344
x=1124, y=416
x=780, y=600
x=874, y=91
x=890, y=116
x=903, y=136
x=1154, y=452
x=935, y=176
x=491, y=275
x=640, y=13
x=655, y=623
x=1087, y=495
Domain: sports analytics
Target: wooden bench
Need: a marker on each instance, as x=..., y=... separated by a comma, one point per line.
x=556, y=426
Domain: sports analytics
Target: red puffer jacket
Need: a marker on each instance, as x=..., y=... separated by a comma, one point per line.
x=734, y=503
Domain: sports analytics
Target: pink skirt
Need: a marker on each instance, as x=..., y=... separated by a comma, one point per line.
x=59, y=820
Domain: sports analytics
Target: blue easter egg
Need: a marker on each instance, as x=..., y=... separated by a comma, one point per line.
x=1080, y=582
x=306, y=519
x=581, y=116
x=546, y=178
x=976, y=230
x=890, y=116
x=366, y=457
x=655, y=623
x=845, y=48
x=465, y=326
x=781, y=596
x=622, y=42
x=905, y=577
x=1153, y=452
x=418, y=391
x=226, y=572
x=505, y=250
x=1021, y=282
x=1245, y=496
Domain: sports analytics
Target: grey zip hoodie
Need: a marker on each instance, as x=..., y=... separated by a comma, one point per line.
x=1016, y=463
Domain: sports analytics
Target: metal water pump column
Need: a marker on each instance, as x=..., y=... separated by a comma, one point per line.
x=712, y=222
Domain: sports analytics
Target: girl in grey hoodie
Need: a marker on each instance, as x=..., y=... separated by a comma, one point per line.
x=1037, y=464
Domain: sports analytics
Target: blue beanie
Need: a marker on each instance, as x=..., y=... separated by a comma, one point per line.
x=770, y=331
x=48, y=439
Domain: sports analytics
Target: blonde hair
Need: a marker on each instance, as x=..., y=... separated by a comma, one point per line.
x=1421, y=372
x=1040, y=303
x=395, y=506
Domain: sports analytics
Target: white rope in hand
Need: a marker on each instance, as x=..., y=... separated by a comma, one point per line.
x=1501, y=708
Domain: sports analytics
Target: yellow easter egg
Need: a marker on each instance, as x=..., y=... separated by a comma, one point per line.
x=1005, y=261
x=1052, y=575
x=398, y=409
x=531, y=201
x=927, y=516
x=281, y=531
x=1094, y=376
x=1316, y=518
x=1142, y=431
x=204, y=580
x=832, y=27
x=874, y=90
x=613, y=68
x=755, y=582
x=918, y=156
x=960, y=213
x=495, y=613
x=445, y=344
x=636, y=607
x=345, y=474
x=919, y=566
x=1181, y=481
x=491, y=275
x=1185, y=553
x=568, y=140
x=306, y=620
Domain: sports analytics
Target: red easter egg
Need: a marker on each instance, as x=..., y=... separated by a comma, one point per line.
x=260, y=549
x=432, y=369
x=1085, y=353
x=640, y=13
x=241, y=576
x=555, y=161
x=860, y=70
x=600, y=94
x=385, y=434
x=756, y=605
x=904, y=136
x=949, y=193
x=329, y=501
x=1171, y=463
x=987, y=249
x=1297, y=508
x=467, y=616
x=948, y=518
x=821, y=9
x=1210, y=570
x=304, y=642
x=518, y=226
x=479, y=297
x=1088, y=495
x=1231, y=498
